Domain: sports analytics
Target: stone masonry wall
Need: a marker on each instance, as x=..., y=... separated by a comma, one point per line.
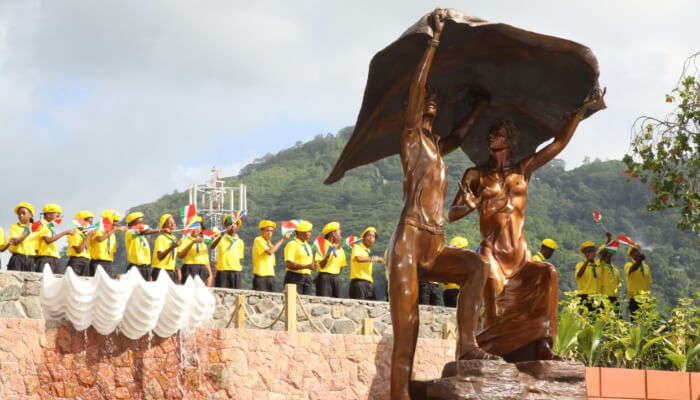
x=19, y=298
x=42, y=362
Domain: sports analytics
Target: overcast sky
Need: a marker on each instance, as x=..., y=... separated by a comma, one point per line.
x=109, y=104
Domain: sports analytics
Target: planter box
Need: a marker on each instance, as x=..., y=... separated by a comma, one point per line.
x=631, y=384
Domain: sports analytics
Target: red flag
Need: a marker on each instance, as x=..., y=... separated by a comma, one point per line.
x=626, y=240
x=107, y=224
x=36, y=226
x=597, y=217
x=288, y=226
x=320, y=245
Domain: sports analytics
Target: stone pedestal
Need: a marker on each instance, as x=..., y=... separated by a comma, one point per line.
x=497, y=379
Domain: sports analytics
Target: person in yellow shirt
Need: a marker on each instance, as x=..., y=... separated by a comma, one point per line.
x=22, y=241
x=587, y=275
x=46, y=250
x=610, y=280
x=164, y=250
x=299, y=259
x=331, y=263
x=229, y=252
x=546, y=251
x=450, y=291
x=103, y=244
x=3, y=242
x=264, y=256
x=195, y=255
x=361, y=259
x=78, y=241
x=138, y=251
x=638, y=277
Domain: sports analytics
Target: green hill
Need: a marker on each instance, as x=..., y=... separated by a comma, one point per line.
x=288, y=185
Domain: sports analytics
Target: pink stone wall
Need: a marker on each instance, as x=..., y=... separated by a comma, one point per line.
x=37, y=362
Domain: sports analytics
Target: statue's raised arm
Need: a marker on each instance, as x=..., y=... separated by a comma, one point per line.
x=593, y=102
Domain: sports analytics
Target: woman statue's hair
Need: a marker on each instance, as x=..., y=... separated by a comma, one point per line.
x=512, y=133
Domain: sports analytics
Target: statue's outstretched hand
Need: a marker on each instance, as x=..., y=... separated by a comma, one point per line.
x=594, y=101
x=438, y=20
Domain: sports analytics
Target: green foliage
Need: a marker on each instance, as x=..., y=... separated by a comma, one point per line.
x=288, y=185
x=602, y=339
x=664, y=152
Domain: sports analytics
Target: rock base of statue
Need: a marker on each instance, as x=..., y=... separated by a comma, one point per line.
x=497, y=379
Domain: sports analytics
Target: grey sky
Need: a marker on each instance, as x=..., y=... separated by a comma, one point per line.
x=109, y=104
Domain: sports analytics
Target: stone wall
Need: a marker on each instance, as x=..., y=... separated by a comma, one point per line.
x=19, y=298
x=40, y=362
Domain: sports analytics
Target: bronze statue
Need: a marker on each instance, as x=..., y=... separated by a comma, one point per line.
x=482, y=73
x=520, y=298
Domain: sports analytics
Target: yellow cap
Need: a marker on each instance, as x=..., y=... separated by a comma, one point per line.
x=25, y=205
x=163, y=219
x=550, y=243
x=304, y=226
x=585, y=244
x=265, y=223
x=369, y=229
x=84, y=215
x=459, y=242
x=133, y=216
x=330, y=227
x=116, y=217
x=109, y=214
x=52, y=208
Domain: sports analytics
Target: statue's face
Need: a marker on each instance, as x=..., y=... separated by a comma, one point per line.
x=498, y=141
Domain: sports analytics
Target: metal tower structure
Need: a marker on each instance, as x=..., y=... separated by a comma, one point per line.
x=213, y=200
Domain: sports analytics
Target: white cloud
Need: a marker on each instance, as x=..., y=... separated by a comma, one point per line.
x=113, y=103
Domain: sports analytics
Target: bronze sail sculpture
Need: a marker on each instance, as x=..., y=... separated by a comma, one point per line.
x=475, y=100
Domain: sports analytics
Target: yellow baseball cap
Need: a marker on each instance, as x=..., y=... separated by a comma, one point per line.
x=459, y=242
x=265, y=223
x=133, y=216
x=585, y=244
x=369, y=229
x=305, y=226
x=84, y=215
x=52, y=208
x=330, y=227
x=25, y=205
x=116, y=217
x=163, y=219
x=550, y=243
x=109, y=214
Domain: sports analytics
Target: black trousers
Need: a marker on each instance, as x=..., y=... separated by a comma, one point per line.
x=633, y=306
x=328, y=285
x=106, y=265
x=20, y=262
x=228, y=279
x=80, y=265
x=302, y=281
x=361, y=289
x=144, y=269
x=429, y=294
x=41, y=262
x=449, y=297
x=171, y=273
x=264, y=283
x=193, y=270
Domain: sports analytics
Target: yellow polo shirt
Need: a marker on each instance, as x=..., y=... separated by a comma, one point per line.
x=44, y=249
x=162, y=243
x=229, y=253
x=76, y=239
x=300, y=253
x=263, y=263
x=609, y=279
x=3, y=241
x=198, y=254
x=28, y=245
x=335, y=262
x=103, y=250
x=588, y=282
x=360, y=270
x=539, y=257
x=638, y=280
x=138, y=251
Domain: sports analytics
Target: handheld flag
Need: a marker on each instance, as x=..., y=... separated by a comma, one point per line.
x=598, y=218
x=106, y=224
x=289, y=226
x=138, y=229
x=187, y=213
x=612, y=246
x=80, y=223
x=351, y=241
x=56, y=222
x=36, y=226
x=626, y=240
x=320, y=246
x=209, y=236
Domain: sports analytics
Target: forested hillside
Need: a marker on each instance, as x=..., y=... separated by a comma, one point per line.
x=288, y=185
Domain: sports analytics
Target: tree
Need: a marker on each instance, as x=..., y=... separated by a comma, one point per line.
x=664, y=152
